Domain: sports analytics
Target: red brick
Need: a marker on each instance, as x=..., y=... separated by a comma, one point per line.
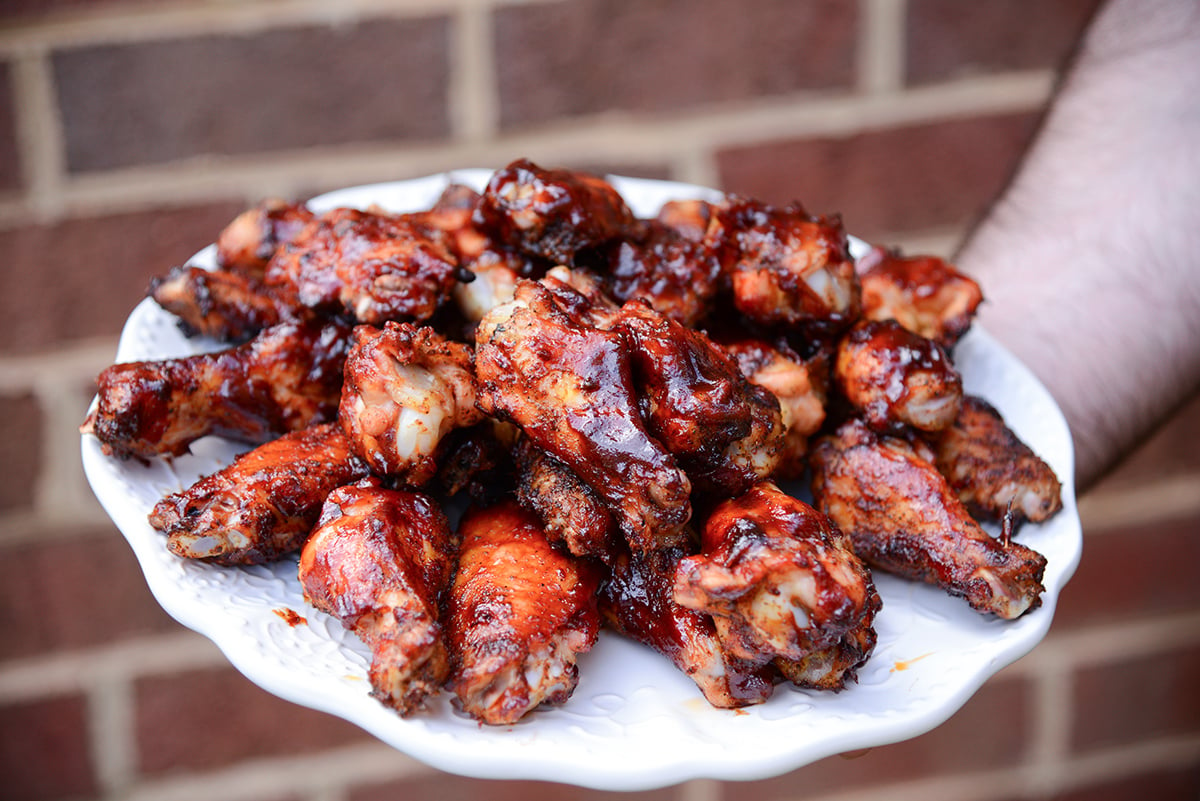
x=1160, y=578
x=949, y=39
x=445, y=787
x=73, y=592
x=10, y=166
x=20, y=449
x=1002, y=708
x=35, y=10
x=556, y=60
x=44, y=751
x=1169, y=451
x=887, y=181
x=1142, y=697
x=153, y=102
x=205, y=719
x=81, y=277
x=1180, y=784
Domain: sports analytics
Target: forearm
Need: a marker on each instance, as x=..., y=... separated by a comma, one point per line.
x=1090, y=261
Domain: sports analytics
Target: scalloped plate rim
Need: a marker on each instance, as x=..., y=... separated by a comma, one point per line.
x=534, y=749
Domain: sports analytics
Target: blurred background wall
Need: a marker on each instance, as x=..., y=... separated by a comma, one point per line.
x=130, y=132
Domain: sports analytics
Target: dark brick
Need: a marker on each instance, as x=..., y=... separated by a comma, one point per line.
x=81, y=277
x=1110, y=586
x=1002, y=708
x=20, y=449
x=1169, y=451
x=73, y=592
x=44, y=751
x=154, y=102
x=34, y=10
x=445, y=787
x=557, y=60
x=948, y=38
x=1139, y=698
x=887, y=181
x=1180, y=784
x=205, y=719
x=10, y=165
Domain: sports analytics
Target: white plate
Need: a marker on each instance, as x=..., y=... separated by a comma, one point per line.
x=634, y=721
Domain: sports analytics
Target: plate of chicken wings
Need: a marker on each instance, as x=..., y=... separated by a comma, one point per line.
x=617, y=482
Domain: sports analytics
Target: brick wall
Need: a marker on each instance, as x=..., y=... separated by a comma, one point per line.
x=131, y=131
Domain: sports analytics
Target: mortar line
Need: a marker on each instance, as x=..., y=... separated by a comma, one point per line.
x=1170, y=499
x=149, y=23
x=335, y=769
x=1050, y=741
x=111, y=732
x=881, y=46
x=474, y=104
x=76, y=670
x=39, y=134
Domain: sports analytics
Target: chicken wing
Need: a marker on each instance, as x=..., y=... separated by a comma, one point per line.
x=677, y=276
x=991, y=469
x=380, y=561
x=264, y=504
x=571, y=513
x=798, y=387
x=724, y=430
x=904, y=518
x=549, y=213
x=637, y=602
x=787, y=267
x=247, y=244
x=286, y=378
x=568, y=386
x=406, y=388
x=780, y=580
x=894, y=377
x=374, y=266
x=221, y=304
x=518, y=615
x=922, y=293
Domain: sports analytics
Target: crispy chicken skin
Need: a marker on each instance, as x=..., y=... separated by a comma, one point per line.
x=221, y=304
x=800, y=392
x=787, y=267
x=568, y=387
x=286, y=378
x=676, y=275
x=518, y=615
x=904, y=518
x=834, y=667
x=264, y=504
x=380, y=561
x=550, y=213
x=780, y=580
x=371, y=265
x=894, y=377
x=637, y=602
x=247, y=244
x=922, y=293
x=571, y=514
x=406, y=387
x=724, y=430
x=991, y=469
